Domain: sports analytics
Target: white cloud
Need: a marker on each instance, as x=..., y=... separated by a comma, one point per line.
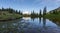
x=26, y=12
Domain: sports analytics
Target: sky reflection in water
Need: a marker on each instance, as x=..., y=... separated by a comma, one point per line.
x=29, y=25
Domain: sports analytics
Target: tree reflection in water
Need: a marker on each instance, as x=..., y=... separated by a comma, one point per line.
x=44, y=22
x=39, y=20
x=28, y=25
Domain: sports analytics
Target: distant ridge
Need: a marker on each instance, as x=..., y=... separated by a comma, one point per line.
x=55, y=10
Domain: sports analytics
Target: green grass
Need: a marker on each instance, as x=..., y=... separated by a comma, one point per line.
x=6, y=15
x=55, y=17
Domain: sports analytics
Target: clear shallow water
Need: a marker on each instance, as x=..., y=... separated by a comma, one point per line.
x=30, y=25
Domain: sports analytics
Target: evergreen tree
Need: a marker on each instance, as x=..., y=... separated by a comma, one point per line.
x=40, y=13
x=10, y=10
x=44, y=11
x=33, y=14
x=16, y=11
x=55, y=12
x=20, y=12
x=2, y=9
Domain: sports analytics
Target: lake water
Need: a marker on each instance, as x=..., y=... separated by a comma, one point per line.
x=30, y=25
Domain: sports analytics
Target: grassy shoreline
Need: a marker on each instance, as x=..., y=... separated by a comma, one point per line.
x=9, y=16
x=54, y=17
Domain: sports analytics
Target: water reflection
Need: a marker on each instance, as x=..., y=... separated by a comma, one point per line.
x=39, y=19
x=56, y=22
x=32, y=18
x=44, y=22
x=29, y=25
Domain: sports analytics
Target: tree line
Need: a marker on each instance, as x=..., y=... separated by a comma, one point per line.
x=10, y=10
x=33, y=14
x=40, y=14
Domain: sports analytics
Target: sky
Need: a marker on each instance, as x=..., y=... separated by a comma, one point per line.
x=30, y=5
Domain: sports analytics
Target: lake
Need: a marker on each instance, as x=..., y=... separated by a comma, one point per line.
x=30, y=25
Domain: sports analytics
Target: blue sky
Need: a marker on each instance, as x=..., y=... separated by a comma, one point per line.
x=30, y=5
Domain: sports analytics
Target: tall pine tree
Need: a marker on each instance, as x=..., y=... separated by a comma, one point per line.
x=40, y=13
x=44, y=11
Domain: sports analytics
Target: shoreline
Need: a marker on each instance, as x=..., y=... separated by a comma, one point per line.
x=10, y=19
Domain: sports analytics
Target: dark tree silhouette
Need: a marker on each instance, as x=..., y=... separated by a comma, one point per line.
x=40, y=13
x=16, y=12
x=33, y=14
x=20, y=12
x=10, y=10
x=44, y=11
x=2, y=9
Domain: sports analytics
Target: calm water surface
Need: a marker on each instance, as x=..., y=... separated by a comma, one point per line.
x=30, y=25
